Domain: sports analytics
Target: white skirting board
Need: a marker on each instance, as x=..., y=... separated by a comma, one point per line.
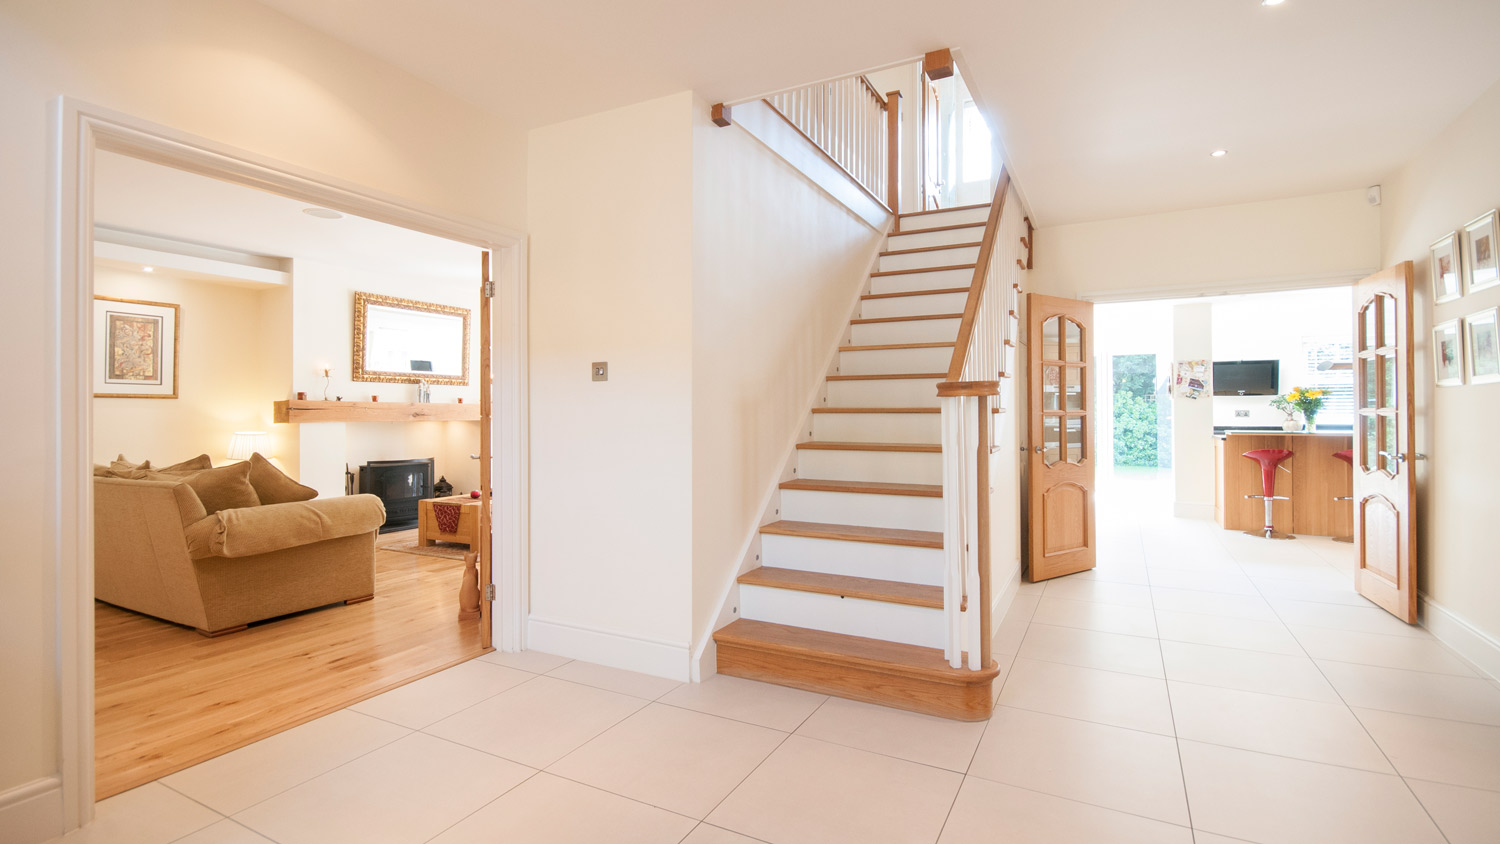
x=31, y=813
x=1471, y=643
x=609, y=647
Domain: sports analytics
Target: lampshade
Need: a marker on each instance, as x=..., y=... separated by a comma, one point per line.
x=245, y=443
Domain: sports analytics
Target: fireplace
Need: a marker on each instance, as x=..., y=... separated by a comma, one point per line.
x=400, y=484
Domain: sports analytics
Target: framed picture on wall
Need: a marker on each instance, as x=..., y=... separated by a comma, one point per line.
x=1482, y=339
x=1447, y=277
x=135, y=349
x=1481, y=260
x=1448, y=353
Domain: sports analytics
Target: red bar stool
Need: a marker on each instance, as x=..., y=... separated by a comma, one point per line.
x=1347, y=455
x=1269, y=459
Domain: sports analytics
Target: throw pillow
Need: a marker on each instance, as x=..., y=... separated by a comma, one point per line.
x=273, y=486
x=224, y=488
x=186, y=467
x=121, y=464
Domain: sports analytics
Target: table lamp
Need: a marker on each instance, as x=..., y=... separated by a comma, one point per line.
x=245, y=443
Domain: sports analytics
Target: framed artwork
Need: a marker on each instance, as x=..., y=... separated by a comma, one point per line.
x=1480, y=244
x=1448, y=353
x=135, y=349
x=1446, y=272
x=1482, y=338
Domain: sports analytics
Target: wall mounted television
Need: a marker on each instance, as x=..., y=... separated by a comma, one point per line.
x=1247, y=377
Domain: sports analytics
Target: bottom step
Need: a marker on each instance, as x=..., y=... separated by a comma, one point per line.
x=869, y=670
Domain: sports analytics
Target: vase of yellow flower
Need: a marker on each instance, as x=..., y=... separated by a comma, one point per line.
x=1306, y=400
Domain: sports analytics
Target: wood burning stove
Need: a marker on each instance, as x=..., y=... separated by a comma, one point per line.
x=400, y=484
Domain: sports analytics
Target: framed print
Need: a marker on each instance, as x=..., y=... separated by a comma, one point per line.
x=1448, y=353
x=1482, y=341
x=1446, y=272
x=1481, y=260
x=135, y=349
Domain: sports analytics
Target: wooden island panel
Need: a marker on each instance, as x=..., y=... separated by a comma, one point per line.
x=1316, y=479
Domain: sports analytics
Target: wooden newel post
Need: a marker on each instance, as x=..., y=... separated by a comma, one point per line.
x=893, y=151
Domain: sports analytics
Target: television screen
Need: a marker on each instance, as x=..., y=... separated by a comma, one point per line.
x=1247, y=377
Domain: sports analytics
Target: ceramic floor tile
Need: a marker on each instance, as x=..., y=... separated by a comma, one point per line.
x=1099, y=591
x=539, y=722
x=534, y=661
x=1121, y=769
x=940, y=742
x=614, y=679
x=989, y=812
x=1230, y=581
x=241, y=778
x=1133, y=573
x=1244, y=633
x=224, y=832
x=436, y=696
x=1087, y=615
x=1415, y=692
x=677, y=759
x=765, y=704
x=151, y=814
x=403, y=793
x=1321, y=592
x=554, y=810
x=1092, y=649
x=813, y=792
x=1465, y=815
x=1408, y=652
x=1284, y=726
x=1011, y=629
x=1104, y=697
x=706, y=834
x=1266, y=798
x=1250, y=671
x=1453, y=752
x=1212, y=603
x=1357, y=619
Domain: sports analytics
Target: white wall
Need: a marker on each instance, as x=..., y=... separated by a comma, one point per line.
x=1274, y=326
x=1192, y=419
x=777, y=264
x=233, y=71
x=610, y=218
x=1451, y=181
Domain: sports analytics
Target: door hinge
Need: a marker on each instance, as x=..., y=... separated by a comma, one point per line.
x=489, y=290
x=489, y=591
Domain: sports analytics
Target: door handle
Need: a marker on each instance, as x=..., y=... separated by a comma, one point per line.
x=473, y=457
x=1399, y=458
x=1038, y=449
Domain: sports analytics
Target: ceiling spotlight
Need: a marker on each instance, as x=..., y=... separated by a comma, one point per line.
x=1272, y=2
x=323, y=213
x=148, y=269
x=1219, y=153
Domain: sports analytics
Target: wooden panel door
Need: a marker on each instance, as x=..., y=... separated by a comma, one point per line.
x=932, y=177
x=1060, y=428
x=486, y=544
x=1384, y=486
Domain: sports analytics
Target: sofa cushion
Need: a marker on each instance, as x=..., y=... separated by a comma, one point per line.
x=224, y=488
x=186, y=467
x=261, y=530
x=273, y=486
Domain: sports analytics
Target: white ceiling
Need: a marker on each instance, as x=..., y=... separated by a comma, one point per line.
x=151, y=199
x=1107, y=108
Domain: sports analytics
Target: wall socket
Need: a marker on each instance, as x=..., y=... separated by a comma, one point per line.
x=1242, y=414
x=600, y=369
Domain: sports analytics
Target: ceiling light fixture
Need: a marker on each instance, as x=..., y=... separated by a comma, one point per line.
x=323, y=213
x=148, y=269
x=1219, y=153
x=1272, y=2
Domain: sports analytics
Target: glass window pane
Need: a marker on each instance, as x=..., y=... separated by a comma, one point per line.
x=1369, y=458
x=1072, y=341
x=1051, y=387
x=1367, y=326
x=1390, y=446
x=1388, y=364
x=1075, y=439
x=1051, y=332
x=1051, y=439
x=1074, y=387
x=1388, y=315
x=1368, y=399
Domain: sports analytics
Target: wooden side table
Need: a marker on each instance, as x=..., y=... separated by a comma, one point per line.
x=428, y=531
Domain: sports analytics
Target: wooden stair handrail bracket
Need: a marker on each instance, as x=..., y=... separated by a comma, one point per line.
x=938, y=64
x=719, y=114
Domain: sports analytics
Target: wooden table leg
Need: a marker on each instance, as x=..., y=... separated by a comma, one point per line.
x=468, y=593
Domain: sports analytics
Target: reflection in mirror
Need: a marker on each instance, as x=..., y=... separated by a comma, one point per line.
x=1368, y=460
x=1050, y=387
x=1073, y=388
x=1388, y=315
x=1370, y=382
x=1075, y=439
x=1050, y=338
x=404, y=341
x=1388, y=363
x=1072, y=341
x=1391, y=448
x=1051, y=439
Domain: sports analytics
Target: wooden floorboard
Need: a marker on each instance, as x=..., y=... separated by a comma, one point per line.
x=167, y=698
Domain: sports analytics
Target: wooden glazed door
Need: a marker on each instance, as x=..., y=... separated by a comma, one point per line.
x=931, y=177
x=1060, y=428
x=1384, y=486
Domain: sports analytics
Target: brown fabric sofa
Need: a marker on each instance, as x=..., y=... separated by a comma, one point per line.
x=158, y=552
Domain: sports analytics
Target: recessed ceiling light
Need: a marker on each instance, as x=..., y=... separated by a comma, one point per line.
x=323, y=213
x=148, y=269
x=1272, y=2
x=1219, y=153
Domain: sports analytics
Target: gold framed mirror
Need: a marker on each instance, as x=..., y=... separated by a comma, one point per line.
x=404, y=341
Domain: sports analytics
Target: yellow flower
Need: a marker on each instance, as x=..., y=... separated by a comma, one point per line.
x=1312, y=394
x=1293, y=396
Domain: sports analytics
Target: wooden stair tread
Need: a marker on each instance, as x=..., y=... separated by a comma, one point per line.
x=887, y=346
x=930, y=248
x=867, y=487
x=895, y=376
x=856, y=533
x=943, y=210
x=978, y=225
x=933, y=292
x=916, y=318
x=840, y=647
x=877, y=410
x=846, y=586
x=923, y=270
x=843, y=446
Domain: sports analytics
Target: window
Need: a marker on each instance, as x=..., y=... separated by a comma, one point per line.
x=1338, y=407
x=975, y=165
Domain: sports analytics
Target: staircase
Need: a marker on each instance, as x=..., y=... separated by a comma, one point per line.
x=849, y=599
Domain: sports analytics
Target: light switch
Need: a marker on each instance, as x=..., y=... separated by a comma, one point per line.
x=1242, y=414
x=601, y=370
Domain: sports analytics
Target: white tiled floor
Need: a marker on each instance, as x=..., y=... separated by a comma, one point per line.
x=1198, y=687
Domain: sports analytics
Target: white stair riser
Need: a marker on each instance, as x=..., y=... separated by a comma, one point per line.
x=906, y=331
x=877, y=428
x=854, y=559
x=946, y=218
x=917, y=240
x=902, y=467
x=895, y=361
x=903, y=512
x=907, y=282
x=937, y=303
x=850, y=616
x=935, y=258
x=891, y=392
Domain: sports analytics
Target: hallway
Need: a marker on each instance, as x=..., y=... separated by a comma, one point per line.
x=1198, y=686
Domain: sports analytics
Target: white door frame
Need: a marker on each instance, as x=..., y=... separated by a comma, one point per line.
x=79, y=129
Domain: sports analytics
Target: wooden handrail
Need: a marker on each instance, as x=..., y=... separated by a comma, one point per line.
x=981, y=273
x=831, y=160
x=874, y=93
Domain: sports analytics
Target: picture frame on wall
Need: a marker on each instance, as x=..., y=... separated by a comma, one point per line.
x=1482, y=252
x=1448, y=353
x=135, y=349
x=1447, y=269
x=1482, y=346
